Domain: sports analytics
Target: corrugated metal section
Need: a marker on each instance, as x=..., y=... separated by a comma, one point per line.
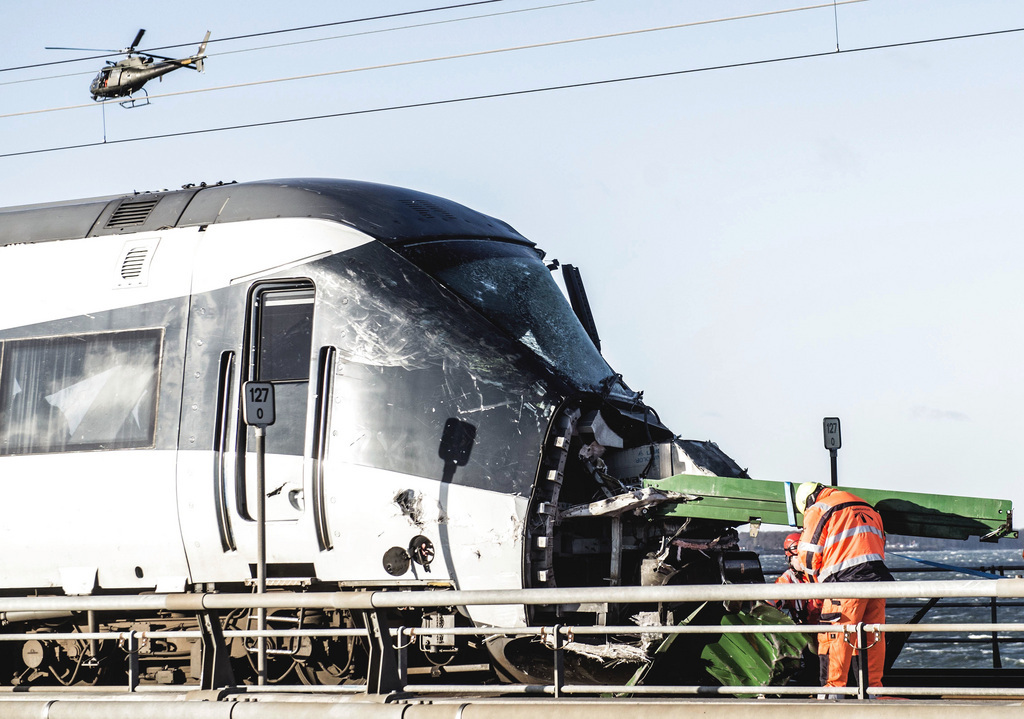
x=131, y=213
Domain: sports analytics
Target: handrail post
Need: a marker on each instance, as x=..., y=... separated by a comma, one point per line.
x=261, y=557
x=133, y=660
x=403, y=655
x=559, y=668
x=94, y=627
x=862, y=663
x=997, y=660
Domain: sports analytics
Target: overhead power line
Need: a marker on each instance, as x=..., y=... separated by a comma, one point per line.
x=48, y=77
x=478, y=53
x=339, y=37
x=513, y=93
x=261, y=34
x=402, y=27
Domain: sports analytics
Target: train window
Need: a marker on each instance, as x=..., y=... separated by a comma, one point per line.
x=283, y=330
x=80, y=392
x=285, y=335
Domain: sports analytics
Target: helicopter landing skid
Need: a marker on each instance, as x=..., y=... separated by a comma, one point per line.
x=136, y=101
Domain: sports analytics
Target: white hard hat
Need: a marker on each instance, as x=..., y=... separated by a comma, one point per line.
x=803, y=494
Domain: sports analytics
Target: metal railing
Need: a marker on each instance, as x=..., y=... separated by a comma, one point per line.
x=994, y=641
x=388, y=673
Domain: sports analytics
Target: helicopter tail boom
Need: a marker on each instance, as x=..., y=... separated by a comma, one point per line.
x=201, y=52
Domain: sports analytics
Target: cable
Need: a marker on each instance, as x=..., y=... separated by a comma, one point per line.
x=259, y=34
x=459, y=56
x=339, y=22
x=49, y=77
x=337, y=37
x=513, y=93
x=401, y=27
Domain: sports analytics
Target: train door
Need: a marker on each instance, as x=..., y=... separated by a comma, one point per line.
x=279, y=351
x=261, y=333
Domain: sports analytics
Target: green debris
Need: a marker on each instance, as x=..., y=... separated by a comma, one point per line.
x=760, y=659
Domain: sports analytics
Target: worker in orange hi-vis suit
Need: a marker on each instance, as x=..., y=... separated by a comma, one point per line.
x=843, y=540
x=802, y=611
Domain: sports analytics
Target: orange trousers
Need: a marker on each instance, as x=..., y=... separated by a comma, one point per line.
x=835, y=654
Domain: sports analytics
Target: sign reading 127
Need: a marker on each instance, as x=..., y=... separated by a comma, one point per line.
x=258, y=409
x=833, y=437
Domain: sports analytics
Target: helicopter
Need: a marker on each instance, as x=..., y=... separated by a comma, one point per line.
x=126, y=77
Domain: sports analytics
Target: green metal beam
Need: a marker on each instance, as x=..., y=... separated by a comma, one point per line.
x=911, y=513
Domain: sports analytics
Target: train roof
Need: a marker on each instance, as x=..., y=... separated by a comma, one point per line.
x=390, y=214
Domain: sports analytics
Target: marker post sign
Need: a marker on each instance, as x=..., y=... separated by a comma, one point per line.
x=833, y=441
x=259, y=412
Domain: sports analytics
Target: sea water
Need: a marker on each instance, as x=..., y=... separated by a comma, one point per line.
x=957, y=650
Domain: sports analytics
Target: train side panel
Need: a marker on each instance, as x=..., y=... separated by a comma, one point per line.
x=240, y=268
x=93, y=339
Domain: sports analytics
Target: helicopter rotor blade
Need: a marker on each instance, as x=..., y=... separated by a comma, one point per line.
x=138, y=39
x=84, y=49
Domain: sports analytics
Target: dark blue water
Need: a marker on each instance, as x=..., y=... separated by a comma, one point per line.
x=973, y=651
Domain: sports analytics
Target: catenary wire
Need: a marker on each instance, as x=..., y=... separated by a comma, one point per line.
x=406, y=63
x=334, y=37
x=514, y=93
x=401, y=27
x=48, y=77
x=260, y=34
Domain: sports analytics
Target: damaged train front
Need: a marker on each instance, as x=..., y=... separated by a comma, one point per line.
x=592, y=519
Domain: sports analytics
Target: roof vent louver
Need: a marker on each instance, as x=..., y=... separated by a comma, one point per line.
x=131, y=213
x=428, y=210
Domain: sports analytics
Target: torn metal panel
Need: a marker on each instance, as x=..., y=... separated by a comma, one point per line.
x=629, y=502
x=667, y=459
x=593, y=427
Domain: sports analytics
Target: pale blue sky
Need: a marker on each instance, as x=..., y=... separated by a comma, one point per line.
x=763, y=245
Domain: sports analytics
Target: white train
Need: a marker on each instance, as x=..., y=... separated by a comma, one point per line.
x=438, y=401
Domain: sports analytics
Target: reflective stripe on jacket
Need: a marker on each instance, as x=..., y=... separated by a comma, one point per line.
x=841, y=531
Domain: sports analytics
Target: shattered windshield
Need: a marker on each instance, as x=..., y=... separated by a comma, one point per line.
x=511, y=286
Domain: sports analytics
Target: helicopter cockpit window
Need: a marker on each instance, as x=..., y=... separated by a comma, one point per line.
x=511, y=286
